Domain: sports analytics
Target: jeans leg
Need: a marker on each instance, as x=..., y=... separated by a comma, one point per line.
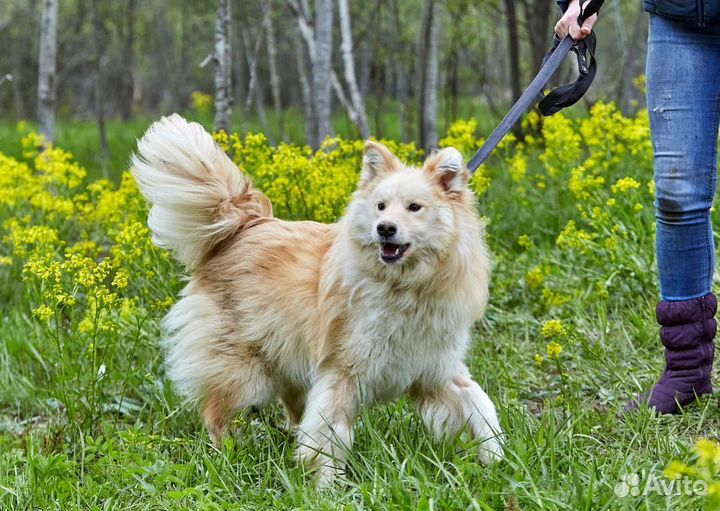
x=683, y=88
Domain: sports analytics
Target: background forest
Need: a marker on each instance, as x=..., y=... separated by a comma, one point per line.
x=399, y=69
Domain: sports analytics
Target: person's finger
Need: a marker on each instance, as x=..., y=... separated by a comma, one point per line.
x=562, y=27
x=577, y=32
x=588, y=24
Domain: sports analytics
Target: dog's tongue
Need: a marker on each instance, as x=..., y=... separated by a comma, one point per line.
x=390, y=250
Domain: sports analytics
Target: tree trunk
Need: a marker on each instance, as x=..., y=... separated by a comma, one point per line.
x=349, y=62
x=254, y=87
x=401, y=80
x=163, y=31
x=222, y=58
x=630, y=97
x=430, y=76
x=47, y=69
x=183, y=76
x=99, y=99
x=301, y=12
x=19, y=44
x=272, y=61
x=302, y=64
x=511, y=21
x=128, y=52
x=537, y=27
x=322, y=67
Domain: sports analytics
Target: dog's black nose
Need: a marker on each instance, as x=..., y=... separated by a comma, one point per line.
x=386, y=229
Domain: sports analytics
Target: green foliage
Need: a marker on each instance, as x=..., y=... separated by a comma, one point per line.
x=88, y=419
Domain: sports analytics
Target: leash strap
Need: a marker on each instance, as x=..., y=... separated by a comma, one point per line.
x=557, y=99
x=567, y=95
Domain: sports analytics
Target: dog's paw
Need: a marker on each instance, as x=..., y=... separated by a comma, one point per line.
x=491, y=450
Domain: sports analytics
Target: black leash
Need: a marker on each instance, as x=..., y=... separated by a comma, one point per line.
x=557, y=99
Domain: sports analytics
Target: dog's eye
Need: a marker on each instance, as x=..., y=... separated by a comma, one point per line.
x=381, y=206
x=414, y=207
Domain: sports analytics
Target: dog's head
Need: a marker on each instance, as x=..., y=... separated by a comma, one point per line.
x=408, y=213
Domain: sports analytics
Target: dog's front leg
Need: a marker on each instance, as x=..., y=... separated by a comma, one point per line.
x=326, y=430
x=449, y=406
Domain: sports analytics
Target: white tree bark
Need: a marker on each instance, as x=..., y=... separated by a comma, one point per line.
x=346, y=48
x=47, y=69
x=322, y=67
x=222, y=57
x=308, y=34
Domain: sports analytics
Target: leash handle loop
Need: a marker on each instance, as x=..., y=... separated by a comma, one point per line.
x=590, y=8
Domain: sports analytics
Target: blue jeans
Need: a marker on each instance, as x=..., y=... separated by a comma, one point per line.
x=683, y=96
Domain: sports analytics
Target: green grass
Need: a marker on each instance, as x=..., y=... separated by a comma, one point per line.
x=155, y=455
x=568, y=444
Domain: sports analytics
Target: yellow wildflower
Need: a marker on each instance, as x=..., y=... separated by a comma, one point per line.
x=624, y=184
x=708, y=451
x=676, y=469
x=121, y=279
x=553, y=328
x=525, y=242
x=534, y=278
x=553, y=350
x=43, y=313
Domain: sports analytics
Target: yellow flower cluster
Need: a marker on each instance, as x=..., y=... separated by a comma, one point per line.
x=553, y=350
x=83, y=249
x=624, y=184
x=553, y=329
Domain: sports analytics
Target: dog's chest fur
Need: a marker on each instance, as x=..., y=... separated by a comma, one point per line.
x=399, y=338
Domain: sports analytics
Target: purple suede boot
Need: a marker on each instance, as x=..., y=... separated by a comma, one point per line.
x=687, y=332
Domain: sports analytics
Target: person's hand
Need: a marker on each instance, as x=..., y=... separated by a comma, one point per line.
x=568, y=24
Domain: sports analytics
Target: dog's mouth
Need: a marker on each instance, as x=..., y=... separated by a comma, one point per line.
x=390, y=252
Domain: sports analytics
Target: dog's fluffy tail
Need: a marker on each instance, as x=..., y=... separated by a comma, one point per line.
x=199, y=197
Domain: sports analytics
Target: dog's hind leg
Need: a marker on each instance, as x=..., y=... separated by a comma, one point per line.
x=245, y=385
x=448, y=407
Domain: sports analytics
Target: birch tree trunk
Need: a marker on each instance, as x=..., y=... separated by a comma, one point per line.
x=430, y=76
x=322, y=67
x=128, y=81
x=222, y=57
x=47, y=69
x=349, y=62
x=305, y=89
x=99, y=96
x=272, y=64
x=302, y=15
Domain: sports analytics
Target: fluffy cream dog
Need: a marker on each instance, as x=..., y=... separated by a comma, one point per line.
x=325, y=317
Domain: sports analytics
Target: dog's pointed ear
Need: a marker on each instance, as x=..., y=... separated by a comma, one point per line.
x=377, y=159
x=448, y=166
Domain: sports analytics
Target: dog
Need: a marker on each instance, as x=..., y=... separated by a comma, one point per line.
x=328, y=318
